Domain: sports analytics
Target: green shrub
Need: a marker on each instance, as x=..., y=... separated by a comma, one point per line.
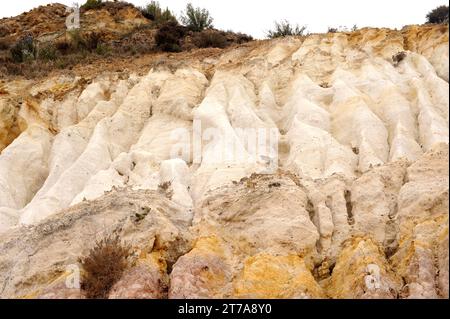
x=168, y=37
x=102, y=49
x=24, y=49
x=438, y=15
x=47, y=52
x=166, y=16
x=103, y=267
x=196, y=19
x=154, y=12
x=151, y=10
x=332, y=30
x=92, y=4
x=284, y=28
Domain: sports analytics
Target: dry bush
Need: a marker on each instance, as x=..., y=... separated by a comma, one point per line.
x=164, y=186
x=4, y=30
x=399, y=57
x=210, y=39
x=84, y=41
x=166, y=189
x=63, y=46
x=92, y=41
x=4, y=44
x=78, y=42
x=103, y=266
x=168, y=37
x=243, y=38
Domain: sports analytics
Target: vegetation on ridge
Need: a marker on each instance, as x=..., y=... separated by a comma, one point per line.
x=92, y=4
x=196, y=19
x=131, y=31
x=285, y=28
x=438, y=15
x=46, y=45
x=153, y=11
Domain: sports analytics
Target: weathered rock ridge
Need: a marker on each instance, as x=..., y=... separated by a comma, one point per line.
x=354, y=204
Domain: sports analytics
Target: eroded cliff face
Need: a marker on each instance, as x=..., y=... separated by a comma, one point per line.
x=351, y=201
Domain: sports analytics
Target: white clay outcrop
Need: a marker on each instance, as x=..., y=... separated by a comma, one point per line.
x=290, y=168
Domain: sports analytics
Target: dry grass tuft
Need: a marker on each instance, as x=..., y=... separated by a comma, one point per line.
x=103, y=266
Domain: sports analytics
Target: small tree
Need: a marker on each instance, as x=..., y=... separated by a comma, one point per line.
x=196, y=19
x=438, y=15
x=167, y=16
x=284, y=28
x=154, y=12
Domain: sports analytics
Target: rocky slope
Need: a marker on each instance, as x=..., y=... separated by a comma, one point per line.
x=349, y=199
x=112, y=30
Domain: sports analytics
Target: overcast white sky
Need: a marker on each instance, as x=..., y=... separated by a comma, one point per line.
x=255, y=17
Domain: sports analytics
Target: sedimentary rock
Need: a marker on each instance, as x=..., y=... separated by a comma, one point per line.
x=311, y=167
